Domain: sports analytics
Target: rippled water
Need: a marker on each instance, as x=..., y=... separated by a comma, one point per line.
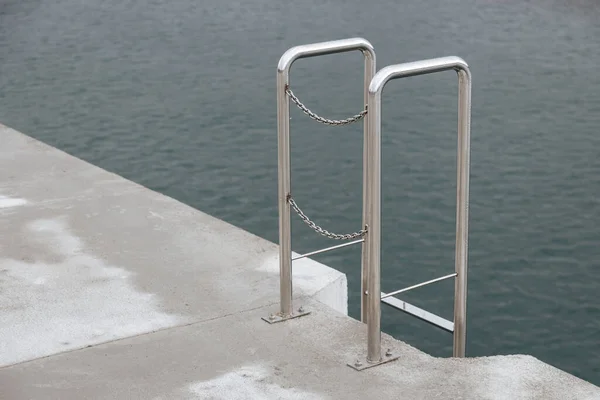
x=179, y=96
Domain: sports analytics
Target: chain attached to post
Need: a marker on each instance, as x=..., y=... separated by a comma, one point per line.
x=334, y=122
x=321, y=231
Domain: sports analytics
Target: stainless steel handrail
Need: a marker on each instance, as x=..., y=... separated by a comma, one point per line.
x=284, y=180
x=371, y=295
x=374, y=196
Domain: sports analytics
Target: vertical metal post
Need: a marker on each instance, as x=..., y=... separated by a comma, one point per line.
x=374, y=234
x=462, y=212
x=374, y=133
x=284, y=181
x=283, y=143
x=364, y=274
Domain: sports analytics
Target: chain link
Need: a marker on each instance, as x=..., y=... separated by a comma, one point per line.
x=321, y=231
x=336, y=122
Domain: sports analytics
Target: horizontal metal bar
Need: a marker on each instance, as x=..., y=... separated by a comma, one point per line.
x=406, y=289
x=415, y=68
x=423, y=315
x=339, y=246
x=319, y=49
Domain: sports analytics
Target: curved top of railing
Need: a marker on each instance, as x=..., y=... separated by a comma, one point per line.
x=416, y=68
x=318, y=49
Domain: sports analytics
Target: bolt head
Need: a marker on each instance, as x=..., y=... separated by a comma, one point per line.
x=272, y=317
x=388, y=353
x=357, y=363
x=301, y=309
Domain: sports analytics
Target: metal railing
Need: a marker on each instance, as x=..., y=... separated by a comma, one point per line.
x=375, y=297
x=370, y=234
x=285, y=200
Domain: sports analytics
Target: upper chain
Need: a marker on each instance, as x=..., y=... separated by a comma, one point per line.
x=326, y=121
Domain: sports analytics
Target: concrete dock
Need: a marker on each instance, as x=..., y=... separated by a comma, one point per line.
x=109, y=290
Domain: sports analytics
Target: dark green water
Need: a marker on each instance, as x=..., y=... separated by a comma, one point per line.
x=179, y=96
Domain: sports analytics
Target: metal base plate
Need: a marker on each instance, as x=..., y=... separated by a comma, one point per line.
x=275, y=318
x=360, y=365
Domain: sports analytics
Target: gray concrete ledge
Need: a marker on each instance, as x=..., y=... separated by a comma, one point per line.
x=88, y=257
x=110, y=290
x=241, y=357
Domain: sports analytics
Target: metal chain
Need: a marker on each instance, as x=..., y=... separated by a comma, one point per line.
x=321, y=231
x=322, y=120
x=335, y=122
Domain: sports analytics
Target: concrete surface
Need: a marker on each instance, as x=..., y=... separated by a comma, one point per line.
x=109, y=290
x=87, y=257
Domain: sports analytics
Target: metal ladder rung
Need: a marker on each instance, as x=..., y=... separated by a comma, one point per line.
x=415, y=311
x=406, y=289
x=339, y=246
